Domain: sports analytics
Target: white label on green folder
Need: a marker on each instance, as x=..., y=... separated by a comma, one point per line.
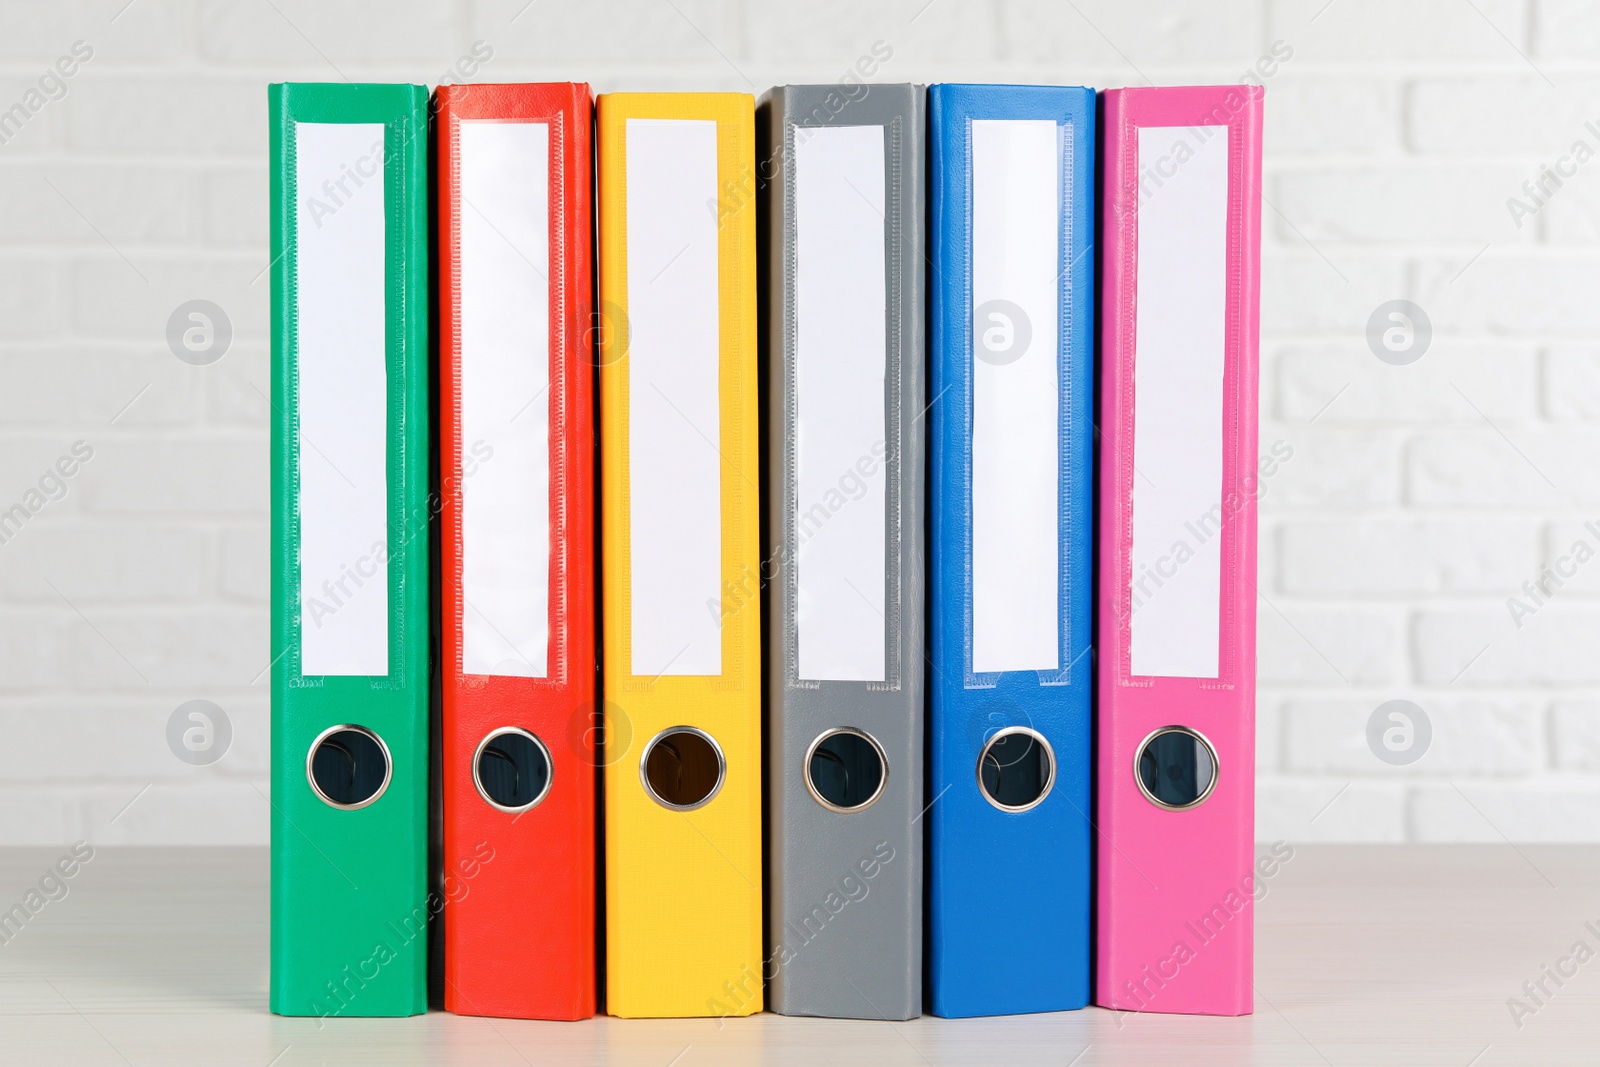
x=1016, y=409
x=1178, y=364
x=343, y=398
x=505, y=397
x=840, y=446
x=674, y=414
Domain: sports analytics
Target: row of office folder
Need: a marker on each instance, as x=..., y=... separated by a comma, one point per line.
x=890, y=671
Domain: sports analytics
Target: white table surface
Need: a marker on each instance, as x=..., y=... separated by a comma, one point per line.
x=1364, y=954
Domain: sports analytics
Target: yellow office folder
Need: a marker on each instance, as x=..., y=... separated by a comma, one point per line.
x=680, y=553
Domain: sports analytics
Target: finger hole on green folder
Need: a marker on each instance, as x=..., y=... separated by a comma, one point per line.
x=845, y=770
x=1176, y=768
x=682, y=768
x=1016, y=769
x=348, y=766
x=512, y=769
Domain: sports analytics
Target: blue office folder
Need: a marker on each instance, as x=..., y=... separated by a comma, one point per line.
x=1012, y=375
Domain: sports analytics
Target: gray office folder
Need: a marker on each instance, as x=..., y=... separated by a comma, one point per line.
x=842, y=190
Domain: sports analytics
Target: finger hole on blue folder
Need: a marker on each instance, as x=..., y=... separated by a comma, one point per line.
x=1016, y=769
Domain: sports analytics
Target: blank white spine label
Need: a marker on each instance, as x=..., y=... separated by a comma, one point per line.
x=1017, y=204
x=342, y=399
x=1178, y=367
x=841, y=350
x=674, y=419
x=504, y=214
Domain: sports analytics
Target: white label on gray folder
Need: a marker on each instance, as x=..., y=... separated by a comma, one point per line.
x=1178, y=365
x=840, y=446
x=343, y=399
x=1017, y=203
x=674, y=418
x=504, y=215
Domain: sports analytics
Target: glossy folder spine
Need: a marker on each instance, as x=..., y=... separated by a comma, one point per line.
x=843, y=210
x=680, y=548
x=1181, y=250
x=350, y=529
x=517, y=603
x=1011, y=405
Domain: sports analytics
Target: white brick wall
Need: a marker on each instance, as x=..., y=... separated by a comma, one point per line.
x=1418, y=498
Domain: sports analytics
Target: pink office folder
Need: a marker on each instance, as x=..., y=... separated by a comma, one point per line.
x=1178, y=465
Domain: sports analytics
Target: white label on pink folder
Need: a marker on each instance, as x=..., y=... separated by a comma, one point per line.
x=1179, y=362
x=1016, y=409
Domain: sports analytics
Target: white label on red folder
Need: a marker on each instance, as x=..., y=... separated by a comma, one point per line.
x=1178, y=365
x=342, y=398
x=1016, y=412
x=504, y=219
x=841, y=351
x=674, y=418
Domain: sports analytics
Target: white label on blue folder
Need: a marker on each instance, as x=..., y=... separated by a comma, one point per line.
x=343, y=398
x=1017, y=201
x=674, y=419
x=504, y=223
x=1178, y=365
x=840, y=445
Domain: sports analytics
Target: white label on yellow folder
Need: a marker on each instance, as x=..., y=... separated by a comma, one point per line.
x=505, y=397
x=841, y=454
x=1016, y=409
x=342, y=399
x=674, y=416
x=1180, y=351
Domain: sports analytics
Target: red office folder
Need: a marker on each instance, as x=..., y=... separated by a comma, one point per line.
x=518, y=763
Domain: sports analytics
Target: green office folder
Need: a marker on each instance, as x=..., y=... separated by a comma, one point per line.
x=350, y=517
